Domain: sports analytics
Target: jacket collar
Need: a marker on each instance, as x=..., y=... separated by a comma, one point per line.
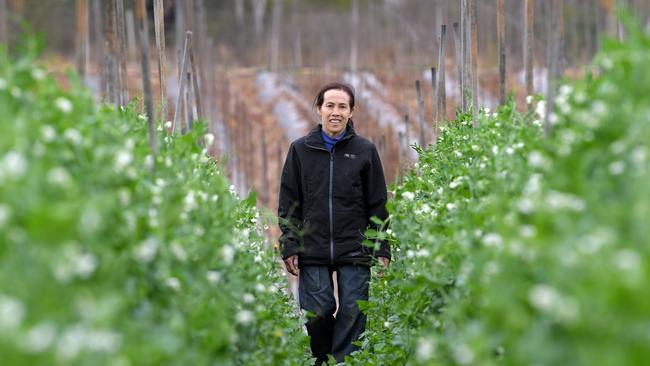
x=314, y=137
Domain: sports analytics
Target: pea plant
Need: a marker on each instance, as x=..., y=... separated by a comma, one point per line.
x=112, y=255
x=513, y=248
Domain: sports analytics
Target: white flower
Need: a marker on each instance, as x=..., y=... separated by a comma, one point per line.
x=495, y=149
x=13, y=165
x=639, y=155
x=228, y=254
x=627, y=260
x=38, y=74
x=527, y=231
x=213, y=277
x=48, y=133
x=179, y=252
x=146, y=251
x=63, y=104
x=510, y=150
x=540, y=109
x=123, y=158
x=168, y=124
x=616, y=168
x=565, y=90
x=86, y=265
x=451, y=206
x=409, y=196
x=260, y=287
x=173, y=283
x=5, y=214
x=248, y=298
x=525, y=205
x=543, y=297
x=244, y=317
x=148, y=161
x=39, y=338
x=189, y=201
x=208, y=138
x=424, y=349
x=529, y=99
x=12, y=312
x=462, y=354
x=72, y=135
x=537, y=160
x=559, y=201
x=493, y=240
x=58, y=176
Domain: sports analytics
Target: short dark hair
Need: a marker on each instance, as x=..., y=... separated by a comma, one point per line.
x=348, y=89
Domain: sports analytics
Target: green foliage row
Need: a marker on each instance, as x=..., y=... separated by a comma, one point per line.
x=513, y=248
x=109, y=255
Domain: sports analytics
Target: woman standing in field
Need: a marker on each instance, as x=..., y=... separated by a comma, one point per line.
x=332, y=184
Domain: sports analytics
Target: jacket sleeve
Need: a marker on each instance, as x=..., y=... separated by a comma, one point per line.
x=375, y=196
x=289, y=205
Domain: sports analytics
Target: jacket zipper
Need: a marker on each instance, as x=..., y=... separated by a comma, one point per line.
x=331, y=210
x=330, y=207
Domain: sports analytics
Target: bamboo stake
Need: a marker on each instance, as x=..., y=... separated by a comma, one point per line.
x=528, y=49
x=189, y=103
x=474, y=45
x=181, y=80
x=406, y=129
x=553, y=56
x=463, y=53
x=4, y=28
x=418, y=91
x=441, y=103
x=141, y=16
x=434, y=89
x=501, y=40
x=130, y=34
x=121, y=39
x=112, y=81
x=159, y=28
x=81, y=36
x=459, y=61
x=195, y=80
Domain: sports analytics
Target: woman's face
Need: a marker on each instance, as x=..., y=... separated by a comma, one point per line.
x=335, y=112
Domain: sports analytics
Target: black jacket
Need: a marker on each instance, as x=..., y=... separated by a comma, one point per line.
x=327, y=199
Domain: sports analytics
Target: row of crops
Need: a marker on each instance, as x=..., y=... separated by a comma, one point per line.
x=519, y=249
x=112, y=256
x=510, y=247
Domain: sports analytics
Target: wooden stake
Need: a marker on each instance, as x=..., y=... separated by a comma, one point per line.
x=181, y=79
x=459, y=62
x=434, y=89
x=112, y=80
x=464, y=54
x=159, y=28
x=195, y=80
x=441, y=103
x=121, y=39
x=143, y=36
x=418, y=91
x=81, y=36
x=501, y=40
x=474, y=44
x=528, y=49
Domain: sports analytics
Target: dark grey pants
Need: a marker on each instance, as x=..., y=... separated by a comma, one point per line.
x=331, y=335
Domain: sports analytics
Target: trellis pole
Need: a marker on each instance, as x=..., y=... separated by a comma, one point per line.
x=159, y=28
x=528, y=49
x=441, y=103
x=81, y=36
x=143, y=37
x=418, y=91
x=501, y=40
